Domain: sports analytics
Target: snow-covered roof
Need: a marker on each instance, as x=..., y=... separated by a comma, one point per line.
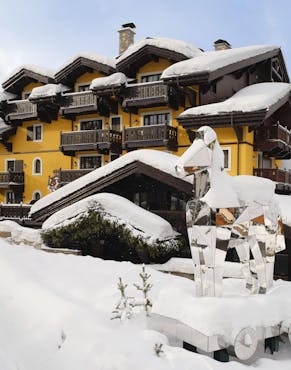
x=267, y=96
x=160, y=160
x=115, y=208
x=215, y=61
x=47, y=91
x=5, y=95
x=115, y=80
x=91, y=56
x=177, y=46
x=32, y=68
x=3, y=126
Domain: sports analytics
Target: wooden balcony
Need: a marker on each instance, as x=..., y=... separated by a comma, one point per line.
x=78, y=103
x=21, y=110
x=274, y=141
x=148, y=94
x=66, y=176
x=100, y=140
x=12, y=181
x=14, y=211
x=150, y=136
x=281, y=177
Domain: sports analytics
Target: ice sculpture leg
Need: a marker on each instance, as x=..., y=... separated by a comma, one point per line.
x=243, y=251
x=259, y=264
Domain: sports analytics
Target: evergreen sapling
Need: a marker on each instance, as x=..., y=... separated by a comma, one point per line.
x=124, y=308
x=145, y=288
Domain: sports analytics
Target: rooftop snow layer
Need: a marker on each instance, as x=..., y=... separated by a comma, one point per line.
x=139, y=221
x=160, y=160
x=47, y=91
x=3, y=126
x=177, y=46
x=33, y=68
x=261, y=96
x=5, y=95
x=115, y=80
x=92, y=56
x=213, y=60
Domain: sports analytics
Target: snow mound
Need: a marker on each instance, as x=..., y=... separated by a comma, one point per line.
x=20, y=234
x=115, y=80
x=251, y=98
x=47, y=91
x=91, y=56
x=5, y=95
x=160, y=160
x=213, y=60
x=284, y=203
x=177, y=46
x=115, y=208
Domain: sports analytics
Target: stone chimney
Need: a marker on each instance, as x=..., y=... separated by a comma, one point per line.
x=221, y=45
x=126, y=36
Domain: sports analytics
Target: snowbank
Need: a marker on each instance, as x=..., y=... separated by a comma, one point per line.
x=20, y=234
x=213, y=60
x=47, y=91
x=91, y=56
x=284, y=203
x=177, y=46
x=55, y=314
x=139, y=221
x=5, y=95
x=161, y=160
x=261, y=96
x=115, y=80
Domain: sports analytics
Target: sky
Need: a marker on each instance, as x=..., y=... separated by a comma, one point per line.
x=49, y=32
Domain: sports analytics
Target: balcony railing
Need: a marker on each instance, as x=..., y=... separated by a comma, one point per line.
x=11, y=179
x=66, y=176
x=274, y=174
x=14, y=211
x=21, y=109
x=274, y=141
x=79, y=102
x=146, y=94
x=91, y=140
x=147, y=136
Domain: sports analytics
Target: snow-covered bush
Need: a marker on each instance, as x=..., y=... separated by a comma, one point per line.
x=119, y=232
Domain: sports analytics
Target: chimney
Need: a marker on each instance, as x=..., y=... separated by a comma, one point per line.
x=221, y=45
x=126, y=36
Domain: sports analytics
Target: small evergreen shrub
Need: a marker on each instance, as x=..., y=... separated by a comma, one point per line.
x=97, y=235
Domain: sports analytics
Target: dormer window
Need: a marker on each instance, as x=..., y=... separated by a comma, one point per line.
x=83, y=87
x=151, y=77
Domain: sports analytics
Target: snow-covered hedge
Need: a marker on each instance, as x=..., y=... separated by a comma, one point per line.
x=111, y=227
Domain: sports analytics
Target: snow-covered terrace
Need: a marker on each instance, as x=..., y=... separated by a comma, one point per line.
x=251, y=104
x=47, y=91
x=114, y=81
x=211, y=65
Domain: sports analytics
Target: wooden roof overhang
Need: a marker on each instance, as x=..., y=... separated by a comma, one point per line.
x=206, y=77
x=15, y=83
x=99, y=185
x=130, y=65
x=222, y=120
x=80, y=65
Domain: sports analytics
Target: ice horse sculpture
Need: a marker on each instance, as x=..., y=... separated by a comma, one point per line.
x=233, y=212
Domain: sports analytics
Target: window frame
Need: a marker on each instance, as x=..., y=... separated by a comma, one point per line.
x=34, y=133
x=143, y=114
x=82, y=84
x=115, y=116
x=90, y=155
x=36, y=192
x=33, y=167
x=141, y=75
x=80, y=121
x=227, y=149
x=6, y=163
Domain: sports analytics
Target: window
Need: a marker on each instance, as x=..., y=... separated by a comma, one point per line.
x=227, y=158
x=25, y=95
x=84, y=87
x=115, y=123
x=10, y=197
x=94, y=124
x=114, y=156
x=156, y=119
x=34, y=133
x=35, y=196
x=37, y=167
x=10, y=165
x=151, y=78
x=90, y=162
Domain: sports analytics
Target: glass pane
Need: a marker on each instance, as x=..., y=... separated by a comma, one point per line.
x=95, y=124
x=83, y=88
x=151, y=78
x=10, y=165
x=115, y=123
x=90, y=162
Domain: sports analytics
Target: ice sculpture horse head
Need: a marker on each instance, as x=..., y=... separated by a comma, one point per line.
x=220, y=211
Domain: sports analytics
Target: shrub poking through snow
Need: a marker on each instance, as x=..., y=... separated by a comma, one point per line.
x=112, y=227
x=158, y=349
x=145, y=288
x=124, y=307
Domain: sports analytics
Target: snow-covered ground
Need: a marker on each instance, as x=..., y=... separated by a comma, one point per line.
x=55, y=314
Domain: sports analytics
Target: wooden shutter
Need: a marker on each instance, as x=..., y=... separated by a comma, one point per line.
x=18, y=166
x=29, y=133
